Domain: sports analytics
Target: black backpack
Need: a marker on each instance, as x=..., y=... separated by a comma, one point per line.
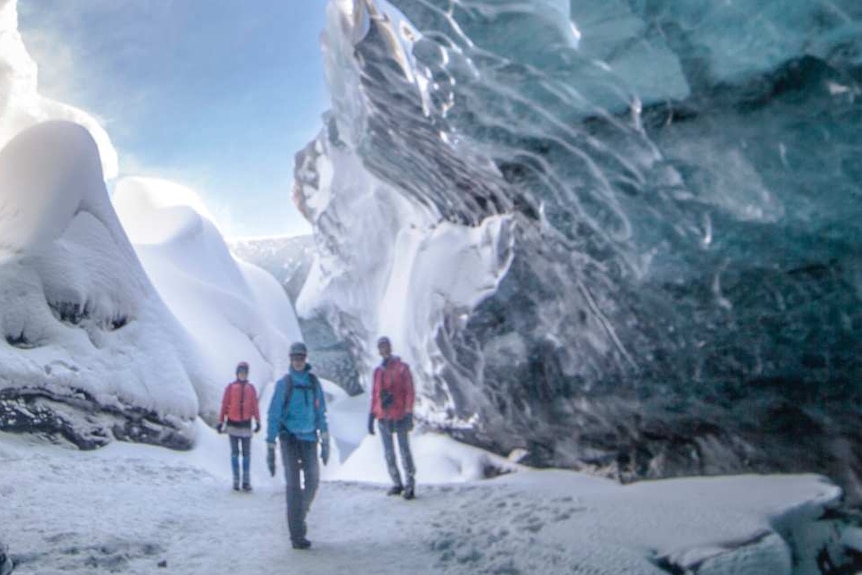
x=288, y=392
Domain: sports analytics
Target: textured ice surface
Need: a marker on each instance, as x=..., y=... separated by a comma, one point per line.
x=681, y=182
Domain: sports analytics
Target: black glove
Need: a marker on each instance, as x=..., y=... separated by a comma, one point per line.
x=220, y=427
x=408, y=421
x=371, y=423
x=256, y=426
x=270, y=458
x=324, y=447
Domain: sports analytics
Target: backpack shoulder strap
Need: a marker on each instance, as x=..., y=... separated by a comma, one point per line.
x=315, y=382
x=318, y=389
x=288, y=391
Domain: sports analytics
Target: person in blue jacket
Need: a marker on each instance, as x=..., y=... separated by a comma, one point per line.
x=297, y=417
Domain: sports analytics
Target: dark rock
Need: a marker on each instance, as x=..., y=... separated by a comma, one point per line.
x=80, y=420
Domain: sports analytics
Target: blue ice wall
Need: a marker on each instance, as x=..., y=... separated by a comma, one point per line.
x=686, y=177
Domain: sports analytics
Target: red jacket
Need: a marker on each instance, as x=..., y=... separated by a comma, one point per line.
x=239, y=402
x=392, y=380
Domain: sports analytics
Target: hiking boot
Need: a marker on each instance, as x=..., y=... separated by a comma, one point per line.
x=301, y=543
x=236, y=484
x=395, y=490
x=408, y=493
x=247, y=488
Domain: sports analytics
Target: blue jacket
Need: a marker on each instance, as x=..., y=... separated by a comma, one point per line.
x=306, y=414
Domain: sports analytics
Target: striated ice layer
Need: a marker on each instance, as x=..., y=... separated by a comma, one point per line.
x=678, y=185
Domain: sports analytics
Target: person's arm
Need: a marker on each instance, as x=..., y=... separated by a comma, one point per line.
x=225, y=403
x=320, y=416
x=322, y=425
x=255, y=409
x=374, y=395
x=409, y=392
x=274, y=412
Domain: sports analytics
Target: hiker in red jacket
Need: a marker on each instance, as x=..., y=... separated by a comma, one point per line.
x=392, y=405
x=238, y=408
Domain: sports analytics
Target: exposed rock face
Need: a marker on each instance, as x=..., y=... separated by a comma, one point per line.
x=79, y=420
x=681, y=187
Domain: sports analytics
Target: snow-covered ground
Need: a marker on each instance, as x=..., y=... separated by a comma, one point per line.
x=131, y=508
x=126, y=508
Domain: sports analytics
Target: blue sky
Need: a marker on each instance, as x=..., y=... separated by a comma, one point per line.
x=217, y=95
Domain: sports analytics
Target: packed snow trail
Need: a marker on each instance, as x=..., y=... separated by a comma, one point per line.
x=95, y=515
x=87, y=514
x=129, y=508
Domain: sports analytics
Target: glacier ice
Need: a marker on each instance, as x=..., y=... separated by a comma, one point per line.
x=680, y=186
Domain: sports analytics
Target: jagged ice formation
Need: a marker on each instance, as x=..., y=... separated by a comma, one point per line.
x=646, y=215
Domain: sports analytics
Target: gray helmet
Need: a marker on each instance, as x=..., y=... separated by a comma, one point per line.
x=298, y=348
x=383, y=340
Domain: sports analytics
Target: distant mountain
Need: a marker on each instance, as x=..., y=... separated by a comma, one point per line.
x=289, y=260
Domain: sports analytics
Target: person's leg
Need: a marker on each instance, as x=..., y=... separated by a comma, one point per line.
x=291, y=458
x=310, y=473
x=245, y=443
x=234, y=459
x=311, y=479
x=389, y=451
x=406, y=457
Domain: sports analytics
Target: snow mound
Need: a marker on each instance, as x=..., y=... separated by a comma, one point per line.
x=233, y=311
x=163, y=210
x=89, y=350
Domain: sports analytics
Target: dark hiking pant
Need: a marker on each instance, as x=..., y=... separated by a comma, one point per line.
x=244, y=444
x=400, y=428
x=299, y=456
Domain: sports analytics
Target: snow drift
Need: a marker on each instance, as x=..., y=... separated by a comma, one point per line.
x=233, y=311
x=90, y=351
